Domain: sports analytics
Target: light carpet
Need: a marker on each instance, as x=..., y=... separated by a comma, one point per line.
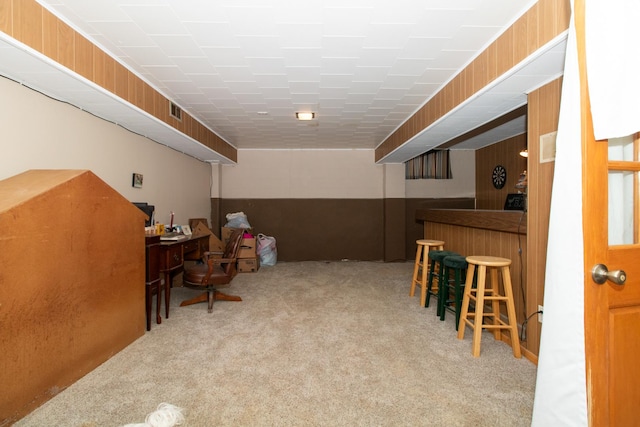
x=311, y=344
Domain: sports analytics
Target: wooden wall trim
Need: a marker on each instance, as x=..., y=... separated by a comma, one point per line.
x=30, y=23
x=539, y=25
x=544, y=108
x=504, y=221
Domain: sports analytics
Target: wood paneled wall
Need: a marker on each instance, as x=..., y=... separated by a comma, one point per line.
x=507, y=154
x=33, y=25
x=539, y=25
x=544, y=107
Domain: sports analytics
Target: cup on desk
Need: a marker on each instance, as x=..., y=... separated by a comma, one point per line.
x=159, y=228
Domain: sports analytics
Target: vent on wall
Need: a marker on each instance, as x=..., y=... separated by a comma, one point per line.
x=175, y=111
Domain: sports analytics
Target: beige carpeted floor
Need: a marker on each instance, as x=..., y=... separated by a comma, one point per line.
x=311, y=344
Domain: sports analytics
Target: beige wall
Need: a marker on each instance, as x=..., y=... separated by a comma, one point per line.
x=463, y=184
x=337, y=174
x=40, y=133
x=303, y=174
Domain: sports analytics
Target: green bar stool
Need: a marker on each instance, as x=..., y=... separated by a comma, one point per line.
x=421, y=266
x=458, y=265
x=436, y=273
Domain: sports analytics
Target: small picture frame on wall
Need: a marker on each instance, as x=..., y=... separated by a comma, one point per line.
x=137, y=180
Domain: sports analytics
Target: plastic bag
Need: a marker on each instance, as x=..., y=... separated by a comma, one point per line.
x=266, y=249
x=237, y=220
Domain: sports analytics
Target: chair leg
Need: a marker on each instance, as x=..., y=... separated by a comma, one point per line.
x=211, y=296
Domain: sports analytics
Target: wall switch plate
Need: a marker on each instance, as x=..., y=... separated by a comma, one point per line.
x=540, y=309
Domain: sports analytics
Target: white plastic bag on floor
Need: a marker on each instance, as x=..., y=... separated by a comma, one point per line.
x=237, y=220
x=266, y=249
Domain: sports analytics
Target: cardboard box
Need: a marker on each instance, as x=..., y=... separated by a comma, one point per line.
x=215, y=245
x=247, y=245
x=247, y=248
x=225, y=233
x=248, y=265
x=193, y=222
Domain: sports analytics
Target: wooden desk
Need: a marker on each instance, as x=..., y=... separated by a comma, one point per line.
x=172, y=255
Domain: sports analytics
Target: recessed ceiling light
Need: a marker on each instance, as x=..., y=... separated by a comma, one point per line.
x=305, y=116
x=263, y=113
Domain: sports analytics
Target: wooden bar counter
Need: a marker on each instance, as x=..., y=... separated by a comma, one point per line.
x=485, y=232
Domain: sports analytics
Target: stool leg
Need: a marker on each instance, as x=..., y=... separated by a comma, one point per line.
x=432, y=273
x=423, y=279
x=479, y=314
x=465, y=301
x=457, y=298
x=511, y=312
x=495, y=303
x=441, y=282
x=416, y=266
x=443, y=290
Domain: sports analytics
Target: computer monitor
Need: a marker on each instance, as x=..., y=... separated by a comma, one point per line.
x=515, y=202
x=148, y=209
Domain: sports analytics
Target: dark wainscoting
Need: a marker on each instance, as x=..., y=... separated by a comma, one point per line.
x=316, y=229
x=415, y=228
x=336, y=229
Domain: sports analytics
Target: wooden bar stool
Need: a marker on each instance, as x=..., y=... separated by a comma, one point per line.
x=491, y=294
x=421, y=266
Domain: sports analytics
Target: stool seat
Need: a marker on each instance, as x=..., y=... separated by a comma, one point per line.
x=429, y=242
x=481, y=294
x=421, y=266
x=489, y=261
x=455, y=261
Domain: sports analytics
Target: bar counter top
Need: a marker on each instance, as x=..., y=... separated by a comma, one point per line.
x=498, y=220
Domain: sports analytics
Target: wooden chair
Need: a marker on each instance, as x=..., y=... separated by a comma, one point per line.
x=214, y=273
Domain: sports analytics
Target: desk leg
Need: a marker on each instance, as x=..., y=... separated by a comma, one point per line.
x=167, y=292
x=147, y=303
x=158, y=302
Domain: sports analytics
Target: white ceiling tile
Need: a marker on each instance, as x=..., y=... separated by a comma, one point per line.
x=127, y=33
x=226, y=56
x=154, y=19
x=178, y=45
x=364, y=65
x=148, y=55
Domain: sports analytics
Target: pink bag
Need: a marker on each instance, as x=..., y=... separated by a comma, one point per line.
x=266, y=249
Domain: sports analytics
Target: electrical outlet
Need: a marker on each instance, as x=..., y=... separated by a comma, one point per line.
x=540, y=309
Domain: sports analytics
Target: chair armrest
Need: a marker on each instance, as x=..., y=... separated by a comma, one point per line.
x=207, y=253
x=220, y=260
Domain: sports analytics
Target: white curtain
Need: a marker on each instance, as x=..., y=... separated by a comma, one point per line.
x=613, y=69
x=560, y=398
x=613, y=66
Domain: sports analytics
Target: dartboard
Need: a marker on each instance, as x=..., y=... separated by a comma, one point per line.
x=499, y=176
